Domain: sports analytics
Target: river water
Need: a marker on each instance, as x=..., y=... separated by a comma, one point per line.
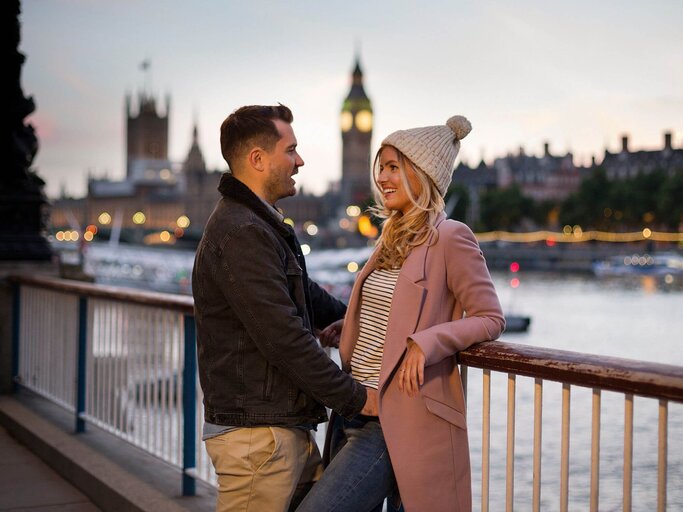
x=623, y=318
x=628, y=318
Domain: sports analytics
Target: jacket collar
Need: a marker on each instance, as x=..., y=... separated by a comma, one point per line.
x=233, y=188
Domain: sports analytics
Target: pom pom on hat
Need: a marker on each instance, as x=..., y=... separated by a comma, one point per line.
x=460, y=126
x=433, y=148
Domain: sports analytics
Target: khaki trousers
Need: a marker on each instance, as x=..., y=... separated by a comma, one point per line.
x=264, y=468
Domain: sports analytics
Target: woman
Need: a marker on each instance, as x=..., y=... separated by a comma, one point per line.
x=424, y=294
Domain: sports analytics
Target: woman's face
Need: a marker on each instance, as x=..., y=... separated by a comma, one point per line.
x=390, y=183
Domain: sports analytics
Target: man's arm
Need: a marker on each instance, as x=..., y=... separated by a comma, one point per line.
x=326, y=308
x=253, y=281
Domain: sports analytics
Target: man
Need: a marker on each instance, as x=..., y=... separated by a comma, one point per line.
x=265, y=378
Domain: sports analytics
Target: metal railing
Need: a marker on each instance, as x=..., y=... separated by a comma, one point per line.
x=125, y=360
x=574, y=371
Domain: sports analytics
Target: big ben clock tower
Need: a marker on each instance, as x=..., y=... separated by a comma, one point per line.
x=356, y=128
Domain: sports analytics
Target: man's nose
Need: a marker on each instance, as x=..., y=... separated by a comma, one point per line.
x=299, y=161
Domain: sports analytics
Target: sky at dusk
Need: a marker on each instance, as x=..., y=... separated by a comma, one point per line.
x=578, y=75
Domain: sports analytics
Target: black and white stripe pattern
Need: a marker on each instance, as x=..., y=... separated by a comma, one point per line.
x=378, y=290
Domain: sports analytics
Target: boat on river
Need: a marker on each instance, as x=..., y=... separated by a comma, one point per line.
x=517, y=323
x=668, y=265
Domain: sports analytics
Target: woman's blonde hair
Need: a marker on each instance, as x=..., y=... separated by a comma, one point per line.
x=401, y=232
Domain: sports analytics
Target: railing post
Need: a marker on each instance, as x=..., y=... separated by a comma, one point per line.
x=564, y=457
x=510, y=458
x=628, y=452
x=16, y=319
x=485, y=440
x=80, y=363
x=662, y=444
x=538, y=444
x=189, y=407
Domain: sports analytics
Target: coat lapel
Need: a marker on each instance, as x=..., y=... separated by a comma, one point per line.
x=406, y=306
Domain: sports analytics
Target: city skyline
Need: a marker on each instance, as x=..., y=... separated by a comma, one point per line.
x=578, y=77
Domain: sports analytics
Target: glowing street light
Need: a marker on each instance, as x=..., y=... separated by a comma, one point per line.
x=311, y=228
x=353, y=210
x=104, y=218
x=366, y=227
x=183, y=221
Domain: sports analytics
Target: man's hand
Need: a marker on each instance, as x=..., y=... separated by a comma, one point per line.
x=411, y=374
x=330, y=335
x=370, y=408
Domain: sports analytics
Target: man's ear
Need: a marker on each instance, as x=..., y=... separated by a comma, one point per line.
x=256, y=159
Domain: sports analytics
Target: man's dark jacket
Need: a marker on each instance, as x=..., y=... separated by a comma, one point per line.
x=255, y=308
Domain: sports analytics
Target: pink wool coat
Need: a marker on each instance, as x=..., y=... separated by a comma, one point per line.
x=445, y=301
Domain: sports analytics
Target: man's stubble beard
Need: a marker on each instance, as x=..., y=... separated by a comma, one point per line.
x=274, y=190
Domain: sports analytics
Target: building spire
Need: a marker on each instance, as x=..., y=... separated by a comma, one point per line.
x=194, y=163
x=145, y=66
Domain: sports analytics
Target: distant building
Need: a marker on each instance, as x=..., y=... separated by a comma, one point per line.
x=539, y=177
x=160, y=195
x=146, y=134
x=548, y=177
x=554, y=177
x=543, y=178
x=178, y=197
x=201, y=192
x=157, y=194
x=626, y=163
x=476, y=180
x=355, y=187
x=356, y=128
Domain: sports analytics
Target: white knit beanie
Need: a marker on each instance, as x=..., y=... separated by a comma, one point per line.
x=433, y=148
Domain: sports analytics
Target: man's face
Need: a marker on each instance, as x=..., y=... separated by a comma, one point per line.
x=282, y=163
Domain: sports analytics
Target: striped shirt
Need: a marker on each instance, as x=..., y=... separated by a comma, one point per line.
x=376, y=295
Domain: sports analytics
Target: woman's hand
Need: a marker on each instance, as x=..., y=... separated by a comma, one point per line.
x=330, y=335
x=411, y=374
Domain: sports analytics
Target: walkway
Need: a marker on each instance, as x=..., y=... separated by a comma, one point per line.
x=103, y=472
x=29, y=484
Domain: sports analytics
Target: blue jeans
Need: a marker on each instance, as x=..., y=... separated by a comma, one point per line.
x=360, y=475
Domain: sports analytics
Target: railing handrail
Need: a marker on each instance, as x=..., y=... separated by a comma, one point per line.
x=643, y=378
x=181, y=303
x=622, y=375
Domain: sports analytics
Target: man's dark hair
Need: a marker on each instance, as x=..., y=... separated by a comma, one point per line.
x=251, y=126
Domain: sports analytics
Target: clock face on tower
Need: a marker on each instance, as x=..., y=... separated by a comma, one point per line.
x=364, y=121
x=346, y=121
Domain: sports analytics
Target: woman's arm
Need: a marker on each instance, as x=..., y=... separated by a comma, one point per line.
x=469, y=280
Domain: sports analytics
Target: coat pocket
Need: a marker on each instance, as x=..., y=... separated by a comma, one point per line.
x=446, y=412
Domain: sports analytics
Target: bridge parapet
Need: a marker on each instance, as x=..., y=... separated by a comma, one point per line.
x=134, y=356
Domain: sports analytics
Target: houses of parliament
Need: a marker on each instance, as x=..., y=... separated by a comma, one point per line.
x=161, y=201
x=164, y=202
